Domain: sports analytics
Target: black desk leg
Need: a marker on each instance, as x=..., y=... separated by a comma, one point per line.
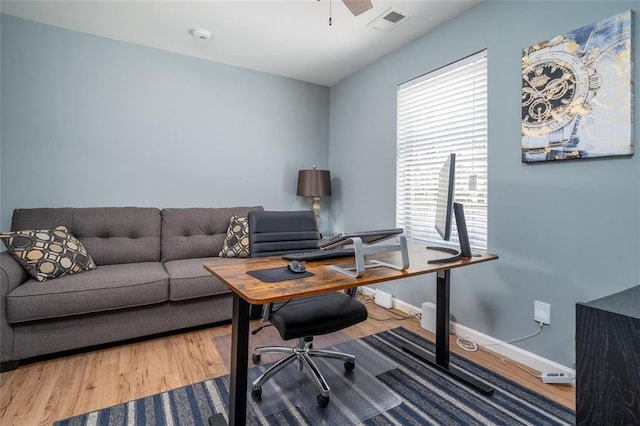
x=443, y=313
x=441, y=358
x=239, y=366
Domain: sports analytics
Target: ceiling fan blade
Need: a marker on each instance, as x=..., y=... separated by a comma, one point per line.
x=358, y=6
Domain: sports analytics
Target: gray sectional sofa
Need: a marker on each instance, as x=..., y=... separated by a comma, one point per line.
x=149, y=279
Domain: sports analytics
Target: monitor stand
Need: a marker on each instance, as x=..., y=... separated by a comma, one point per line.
x=457, y=255
x=463, y=237
x=361, y=250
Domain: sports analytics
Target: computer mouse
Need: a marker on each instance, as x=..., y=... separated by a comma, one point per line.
x=296, y=266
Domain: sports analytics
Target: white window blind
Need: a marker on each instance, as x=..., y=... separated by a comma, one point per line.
x=439, y=113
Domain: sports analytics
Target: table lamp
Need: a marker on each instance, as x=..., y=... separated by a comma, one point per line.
x=314, y=183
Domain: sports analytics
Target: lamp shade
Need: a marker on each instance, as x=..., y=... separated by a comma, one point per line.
x=314, y=183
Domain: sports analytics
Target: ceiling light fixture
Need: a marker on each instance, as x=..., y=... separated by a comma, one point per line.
x=200, y=33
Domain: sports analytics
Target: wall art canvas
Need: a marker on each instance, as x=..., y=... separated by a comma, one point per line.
x=577, y=93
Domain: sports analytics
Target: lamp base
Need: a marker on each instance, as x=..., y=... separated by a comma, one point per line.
x=315, y=207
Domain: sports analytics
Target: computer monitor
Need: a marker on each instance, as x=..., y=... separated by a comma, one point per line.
x=444, y=200
x=446, y=210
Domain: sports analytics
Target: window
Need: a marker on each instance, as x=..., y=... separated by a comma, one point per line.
x=439, y=113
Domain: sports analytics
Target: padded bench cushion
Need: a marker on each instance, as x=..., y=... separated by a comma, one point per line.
x=189, y=280
x=108, y=287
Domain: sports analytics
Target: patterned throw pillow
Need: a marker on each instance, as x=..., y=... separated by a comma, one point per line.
x=47, y=254
x=237, y=242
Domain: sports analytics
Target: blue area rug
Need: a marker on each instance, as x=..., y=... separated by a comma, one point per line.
x=427, y=397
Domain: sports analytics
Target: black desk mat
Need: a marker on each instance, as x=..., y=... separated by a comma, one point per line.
x=274, y=275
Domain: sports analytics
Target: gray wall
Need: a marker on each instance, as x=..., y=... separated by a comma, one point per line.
x=88, y=121
x=565, y=232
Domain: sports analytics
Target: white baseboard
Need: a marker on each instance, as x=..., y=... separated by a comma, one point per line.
x=512, y=352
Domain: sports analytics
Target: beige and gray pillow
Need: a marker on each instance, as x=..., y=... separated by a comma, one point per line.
x=236, y=244
x=48, y=254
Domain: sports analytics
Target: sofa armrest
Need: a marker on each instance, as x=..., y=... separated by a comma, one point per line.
x=12, y=274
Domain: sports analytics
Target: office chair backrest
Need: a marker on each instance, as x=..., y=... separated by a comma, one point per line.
x=275, y=233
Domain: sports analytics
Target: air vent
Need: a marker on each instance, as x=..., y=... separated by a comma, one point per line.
x=388, y=20
x=394, y=17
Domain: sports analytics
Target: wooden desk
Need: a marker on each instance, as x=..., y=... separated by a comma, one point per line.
x=247, y=290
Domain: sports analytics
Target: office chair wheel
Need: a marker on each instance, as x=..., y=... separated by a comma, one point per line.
x=255, y=358
x=323, y=401
x=349, y=365
x=256, y=393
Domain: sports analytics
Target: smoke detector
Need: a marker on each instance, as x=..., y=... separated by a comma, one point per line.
x=387, y=20
x=200, y=33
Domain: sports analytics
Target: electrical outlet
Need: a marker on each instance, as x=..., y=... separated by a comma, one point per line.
x=542, y=312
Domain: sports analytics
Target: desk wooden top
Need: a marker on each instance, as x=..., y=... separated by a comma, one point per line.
x=233, y=272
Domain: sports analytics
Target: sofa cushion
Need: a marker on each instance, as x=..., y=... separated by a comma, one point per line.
x=105, y=288
x=236, y=244
x=196, y=232
x=47, y=254
x=188, y=280
x=112, y=235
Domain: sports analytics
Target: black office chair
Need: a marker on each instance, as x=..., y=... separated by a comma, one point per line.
x=276, y=233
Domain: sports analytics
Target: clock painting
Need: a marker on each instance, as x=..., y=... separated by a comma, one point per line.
x=577, y=93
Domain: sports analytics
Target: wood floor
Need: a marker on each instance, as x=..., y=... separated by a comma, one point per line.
x=42, y=392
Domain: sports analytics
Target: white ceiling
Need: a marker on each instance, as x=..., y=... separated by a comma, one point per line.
x=291, y=38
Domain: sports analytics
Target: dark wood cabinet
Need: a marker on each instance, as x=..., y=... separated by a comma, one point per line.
x=608, y=360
